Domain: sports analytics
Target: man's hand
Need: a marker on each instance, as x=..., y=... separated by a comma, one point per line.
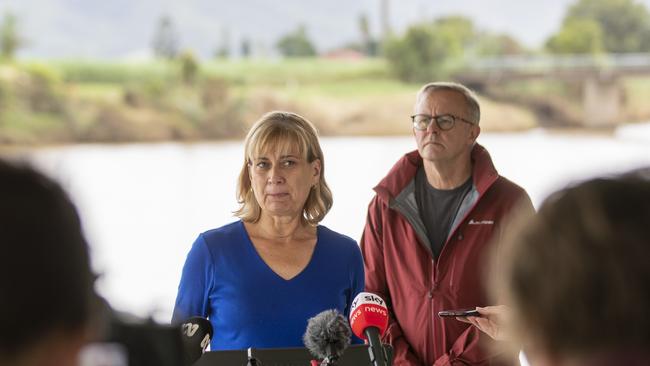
x=491, y=322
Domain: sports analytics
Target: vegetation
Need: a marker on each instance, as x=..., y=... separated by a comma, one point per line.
x=594, y=26
x=581, y=36
x=99, y=102
x=165, y=39
x=369, y=46
x=436, y=50
x=38, y=105
x=240, y=72
x=10, y=40
x=177, y=97
x=296, y=44
x=162, y=100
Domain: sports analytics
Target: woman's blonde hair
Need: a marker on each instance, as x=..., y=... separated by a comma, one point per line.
x=283, y=131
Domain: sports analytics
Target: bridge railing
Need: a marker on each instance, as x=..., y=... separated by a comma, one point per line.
x=537, y=63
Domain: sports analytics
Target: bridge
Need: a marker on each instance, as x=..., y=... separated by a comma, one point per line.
x=599, y=75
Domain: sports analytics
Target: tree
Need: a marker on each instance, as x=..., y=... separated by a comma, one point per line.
x=189, y=67
x=577, y=36
x=10, y=40
x=645, y=41
x=419, y=56
x=624, y=26
x=430, y=50
x=369, y=46
x=165, y=40
x=458, y=29
x=296, y=44
x=434, y=50
x=245, y=48
x=490, y=44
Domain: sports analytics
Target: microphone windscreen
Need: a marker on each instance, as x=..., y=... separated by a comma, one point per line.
x=368, y=310
x=327, y=334
x=196, y=334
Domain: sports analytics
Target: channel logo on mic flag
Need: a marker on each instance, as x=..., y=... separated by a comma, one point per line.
x=368, y=310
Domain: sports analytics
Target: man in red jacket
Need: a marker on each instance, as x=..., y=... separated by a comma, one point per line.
x=429, y=227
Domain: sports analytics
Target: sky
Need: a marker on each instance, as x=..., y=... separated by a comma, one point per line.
x=119, y=29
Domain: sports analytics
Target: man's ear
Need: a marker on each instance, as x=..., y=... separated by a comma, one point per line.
x=474, y=132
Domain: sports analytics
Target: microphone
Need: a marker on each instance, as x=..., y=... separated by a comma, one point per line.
x=327, y=336
x=369, y=320
x=252, y=361
x=196, y=335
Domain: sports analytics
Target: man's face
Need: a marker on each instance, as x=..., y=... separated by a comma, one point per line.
x=436, y=145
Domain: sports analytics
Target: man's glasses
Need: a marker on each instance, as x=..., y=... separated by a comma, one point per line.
x=444, y=122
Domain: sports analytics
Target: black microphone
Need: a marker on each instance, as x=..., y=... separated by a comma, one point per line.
x=327, y=336
x=196, y=334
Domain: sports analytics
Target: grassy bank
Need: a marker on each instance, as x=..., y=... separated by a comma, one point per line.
x=88, y=101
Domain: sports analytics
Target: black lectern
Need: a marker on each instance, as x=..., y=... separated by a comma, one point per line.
x=356, y=355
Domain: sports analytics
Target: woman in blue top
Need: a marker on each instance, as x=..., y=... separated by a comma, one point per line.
x=259, y=280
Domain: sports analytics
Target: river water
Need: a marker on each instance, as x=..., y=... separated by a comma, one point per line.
x=143, y=204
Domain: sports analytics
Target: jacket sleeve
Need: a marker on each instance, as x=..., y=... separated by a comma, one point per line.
x=375, y=274
x=473, y=348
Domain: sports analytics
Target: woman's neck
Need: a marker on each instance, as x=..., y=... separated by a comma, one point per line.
x=281, y=229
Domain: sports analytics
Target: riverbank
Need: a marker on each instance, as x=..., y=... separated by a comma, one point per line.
x=87, y=102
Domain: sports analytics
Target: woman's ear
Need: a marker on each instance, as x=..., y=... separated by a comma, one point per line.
x=316, y=168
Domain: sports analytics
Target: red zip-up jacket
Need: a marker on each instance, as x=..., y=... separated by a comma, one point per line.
x=400, y=267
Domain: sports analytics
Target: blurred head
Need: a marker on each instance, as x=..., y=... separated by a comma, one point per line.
x=445, y=121
x=283, y=170
x=46, y=284
x=577, y=274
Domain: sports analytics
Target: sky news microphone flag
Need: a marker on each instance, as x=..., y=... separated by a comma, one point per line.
x=369, y=320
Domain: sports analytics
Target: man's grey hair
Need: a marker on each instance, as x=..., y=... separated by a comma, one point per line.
x=473, y=108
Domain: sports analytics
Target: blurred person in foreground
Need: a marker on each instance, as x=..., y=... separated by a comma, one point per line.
x=259, y=279
x=46, y=284
x=576, y=277
x=428, y=230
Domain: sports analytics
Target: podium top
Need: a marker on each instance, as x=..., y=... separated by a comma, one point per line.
x=356, y=355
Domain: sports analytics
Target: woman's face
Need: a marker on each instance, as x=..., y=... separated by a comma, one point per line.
x=281, y=181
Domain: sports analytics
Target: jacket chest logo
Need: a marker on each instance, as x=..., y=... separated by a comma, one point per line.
x=481, y=222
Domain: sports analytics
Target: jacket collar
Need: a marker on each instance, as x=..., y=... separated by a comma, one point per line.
x=403, y=172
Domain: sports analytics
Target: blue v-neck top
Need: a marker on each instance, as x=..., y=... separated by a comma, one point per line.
x=248, y=304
